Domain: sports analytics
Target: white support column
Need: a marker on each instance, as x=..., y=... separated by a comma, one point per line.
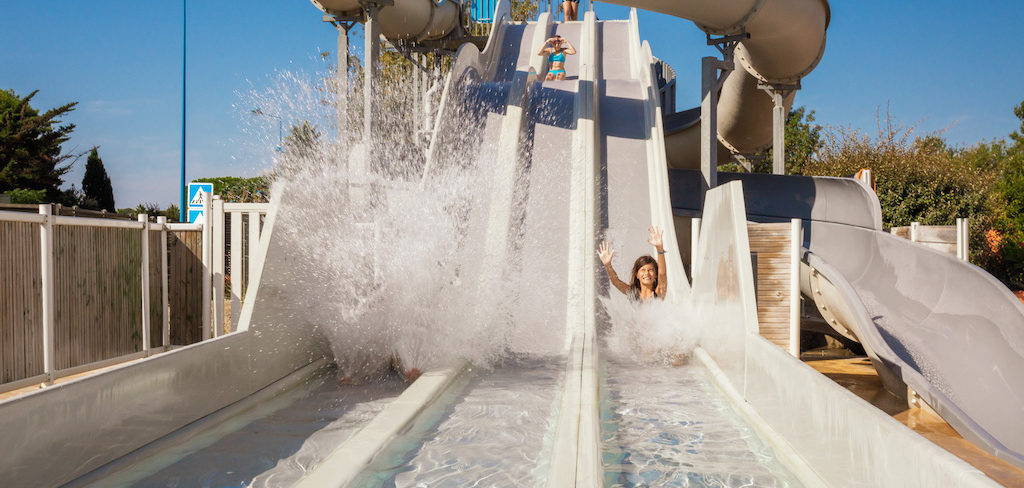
x=236, y=267
x=778, y=133
x=146, y=341
x=46, y=263
x=207, y=263
x=796, y=243
x=915, y=235
x=709, y=124
x=217, y=225
x=165, y=312
x=371, y=57
x=254, y=243
x=341, y=78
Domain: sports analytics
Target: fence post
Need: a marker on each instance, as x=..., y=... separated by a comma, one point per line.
x=46, y=263
x=165, y=313
x=254, y=244
x=217, y=226
x=207, y=251
x=236, y=268
x=797, y=238
x=145, y=283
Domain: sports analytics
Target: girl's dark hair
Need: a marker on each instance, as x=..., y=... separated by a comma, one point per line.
x=634, y=282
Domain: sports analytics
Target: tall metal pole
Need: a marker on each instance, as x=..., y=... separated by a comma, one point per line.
x=182, y=216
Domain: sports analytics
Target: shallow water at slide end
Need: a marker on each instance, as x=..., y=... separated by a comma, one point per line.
x=670, y=426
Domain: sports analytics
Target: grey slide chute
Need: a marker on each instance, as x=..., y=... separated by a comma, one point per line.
x=943, y=327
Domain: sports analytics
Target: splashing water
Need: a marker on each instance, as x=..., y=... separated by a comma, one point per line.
x=650, y=332
x=389, y=268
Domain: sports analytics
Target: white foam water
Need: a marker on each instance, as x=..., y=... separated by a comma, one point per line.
x=389, y=265
x=652, y=331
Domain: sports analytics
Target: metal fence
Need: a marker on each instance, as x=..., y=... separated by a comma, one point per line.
x=82, y=293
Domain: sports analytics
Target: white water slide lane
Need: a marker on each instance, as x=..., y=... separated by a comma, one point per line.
x=945, y=328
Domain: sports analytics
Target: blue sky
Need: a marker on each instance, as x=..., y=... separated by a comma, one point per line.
x=946, y=65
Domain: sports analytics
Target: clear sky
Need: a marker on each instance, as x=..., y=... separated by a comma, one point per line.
x=949, y=65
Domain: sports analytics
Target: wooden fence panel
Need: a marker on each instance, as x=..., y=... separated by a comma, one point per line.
x=97, y=294
x=156, y=300
x=21, y=308
x=185, y=268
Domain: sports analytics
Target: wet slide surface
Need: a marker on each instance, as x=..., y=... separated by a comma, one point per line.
x=670, y=426
x=271, y=444
x=662, y=426
x=493, y=430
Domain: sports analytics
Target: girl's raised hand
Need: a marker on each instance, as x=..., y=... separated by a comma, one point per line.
x=605, y=252
x=654, y=236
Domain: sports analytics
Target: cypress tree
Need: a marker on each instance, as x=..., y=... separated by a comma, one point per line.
x=99, y=194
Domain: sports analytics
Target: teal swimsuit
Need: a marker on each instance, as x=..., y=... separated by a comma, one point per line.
x=559, y=58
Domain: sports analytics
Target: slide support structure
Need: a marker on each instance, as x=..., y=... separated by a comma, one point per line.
x=778, y=92
x=711, y=84
x=341, y=78
x=371, y=58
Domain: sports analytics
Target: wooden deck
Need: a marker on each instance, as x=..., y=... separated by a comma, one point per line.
x=859, y=376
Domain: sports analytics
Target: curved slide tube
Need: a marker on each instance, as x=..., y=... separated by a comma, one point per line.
x=945, y=328
x=787, y=39
x=416, y=20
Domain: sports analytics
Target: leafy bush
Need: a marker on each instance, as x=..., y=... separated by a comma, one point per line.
x=236, y=189
x=27, y=196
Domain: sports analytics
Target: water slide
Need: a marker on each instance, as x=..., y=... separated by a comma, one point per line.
x=592, y=149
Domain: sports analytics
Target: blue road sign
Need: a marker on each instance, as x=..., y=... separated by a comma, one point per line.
x=195, y=200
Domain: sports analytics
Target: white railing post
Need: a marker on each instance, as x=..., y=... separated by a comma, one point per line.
x=962, y=240
x=797, y=238
x=207, y=251
x=915, y=235
x=236, y=268
x=217, y=225
x=145, y=283
x=165, y=314
x=694, y=239
x=254, y=243
x=46, y=263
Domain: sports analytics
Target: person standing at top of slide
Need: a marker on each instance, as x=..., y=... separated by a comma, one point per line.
x=648, y=278
x=559, y=47
x=571, y=9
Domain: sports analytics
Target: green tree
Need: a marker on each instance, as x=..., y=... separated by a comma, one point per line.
x=96, y=189
x=31, y=156
x=172, y=213
x=803, y=139
x=523, y=10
